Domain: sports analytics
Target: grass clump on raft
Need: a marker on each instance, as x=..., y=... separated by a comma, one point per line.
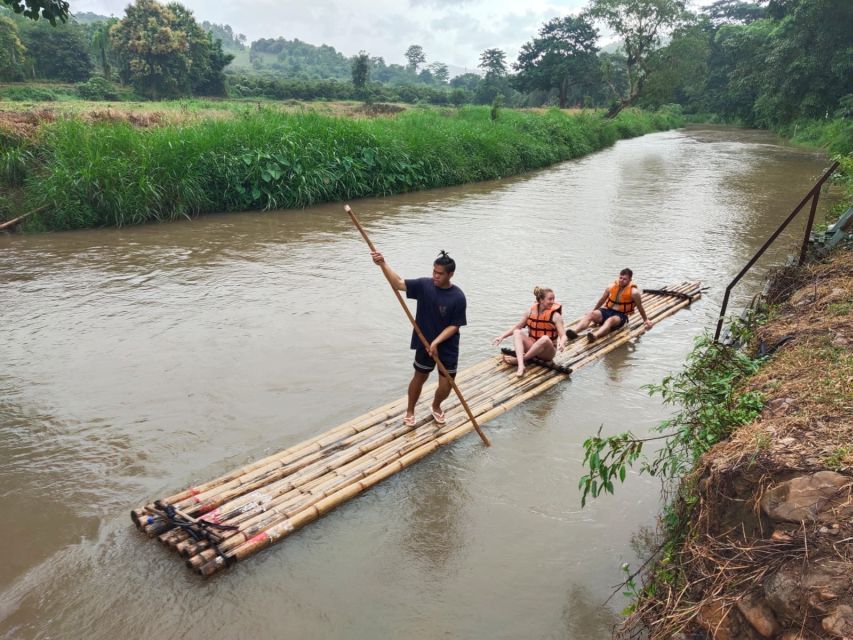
x=114, y=174
x=720, y=548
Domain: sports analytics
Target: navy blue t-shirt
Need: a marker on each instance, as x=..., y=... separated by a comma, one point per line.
x=437, y=309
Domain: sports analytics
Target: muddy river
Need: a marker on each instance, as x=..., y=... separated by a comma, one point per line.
x=136, y=361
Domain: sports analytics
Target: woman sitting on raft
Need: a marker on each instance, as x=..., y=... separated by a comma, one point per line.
x=545, y=335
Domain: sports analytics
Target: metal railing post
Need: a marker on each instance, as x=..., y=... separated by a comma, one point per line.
x=813, y=193
x=809, y=227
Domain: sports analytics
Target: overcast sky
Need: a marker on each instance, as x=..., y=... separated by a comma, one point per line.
x=451, y=31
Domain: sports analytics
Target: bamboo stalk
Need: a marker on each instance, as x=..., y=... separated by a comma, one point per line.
x=254, y=530
x=11, y=223
x=391, y=411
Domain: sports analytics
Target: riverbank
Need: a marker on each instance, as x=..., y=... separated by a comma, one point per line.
x=761, y=535
x=113, y=172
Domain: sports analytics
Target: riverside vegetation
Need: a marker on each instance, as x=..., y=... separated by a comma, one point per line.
x=108, y=173
x=755, y=539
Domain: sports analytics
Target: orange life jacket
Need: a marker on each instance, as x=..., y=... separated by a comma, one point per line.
x=621, y=298
x=541, y=324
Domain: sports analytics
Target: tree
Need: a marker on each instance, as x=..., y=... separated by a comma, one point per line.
x=163, y=51
x=439, y=72
x=102, y=47
x=735, y=67
x=640, y=24
x=11, y=51
x=680, y=69
x=467, y=81
x=416, y=57
x=460, y=96
x=207, y=59
x=562, y=58
x=493, y=62
x=50, y=10
x=808, y=60
x=152, y=51
x=360, y=71
x=57, y=53
x=734, y=12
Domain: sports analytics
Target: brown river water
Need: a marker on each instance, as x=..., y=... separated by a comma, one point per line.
x=136, y=361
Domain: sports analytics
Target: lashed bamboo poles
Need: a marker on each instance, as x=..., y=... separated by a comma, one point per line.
x=315, y=476
x=651, y=311
x=421, y=336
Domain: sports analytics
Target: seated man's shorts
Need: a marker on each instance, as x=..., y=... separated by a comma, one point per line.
x=610, y=313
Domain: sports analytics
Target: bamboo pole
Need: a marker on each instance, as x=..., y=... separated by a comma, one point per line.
x=11, y=223
x=417, y=329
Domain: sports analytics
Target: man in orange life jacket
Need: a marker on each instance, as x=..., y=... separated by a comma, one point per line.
x=440, y=313
x=612, y=309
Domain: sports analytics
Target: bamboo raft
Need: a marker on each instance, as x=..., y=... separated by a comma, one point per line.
x=230, y=518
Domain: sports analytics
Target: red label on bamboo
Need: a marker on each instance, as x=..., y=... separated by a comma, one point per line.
x=193, y=491
x=261, y=537
x=213, y=517
x=206, y=508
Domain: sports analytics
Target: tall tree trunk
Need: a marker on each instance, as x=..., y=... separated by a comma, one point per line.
x=564, y=91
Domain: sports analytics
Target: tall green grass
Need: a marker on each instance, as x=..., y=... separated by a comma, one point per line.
x=112, y=174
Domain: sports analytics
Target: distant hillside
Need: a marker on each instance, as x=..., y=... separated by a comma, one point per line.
x=296, y=59
x=230, y=41
x=87, y=17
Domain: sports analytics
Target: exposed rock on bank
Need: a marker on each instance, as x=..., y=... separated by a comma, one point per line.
x=769, y=552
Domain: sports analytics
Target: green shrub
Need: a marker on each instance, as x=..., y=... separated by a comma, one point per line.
x=97, y=88
x=29, y=94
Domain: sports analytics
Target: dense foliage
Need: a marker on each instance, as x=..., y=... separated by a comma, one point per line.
x=109, y=173
x=764, y=67
x=767, y=63
x=51, y=10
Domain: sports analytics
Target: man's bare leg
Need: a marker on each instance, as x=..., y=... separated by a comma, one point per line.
x=588, y=319
x=609, y=325
x=441, y=393
x=415, y=386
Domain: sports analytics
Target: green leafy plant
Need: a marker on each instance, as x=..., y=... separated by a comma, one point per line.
x=710, y=409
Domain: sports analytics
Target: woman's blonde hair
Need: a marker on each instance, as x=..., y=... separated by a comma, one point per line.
x=540, y=292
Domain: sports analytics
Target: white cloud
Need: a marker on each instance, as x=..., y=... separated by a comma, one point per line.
x=451, y=31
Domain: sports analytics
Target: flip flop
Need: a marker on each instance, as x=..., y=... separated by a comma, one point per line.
x=439, y=416
x=571, y=334
x=409, y=421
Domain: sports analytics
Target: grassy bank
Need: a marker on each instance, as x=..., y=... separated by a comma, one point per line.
x=836, y=136
x=92, y=174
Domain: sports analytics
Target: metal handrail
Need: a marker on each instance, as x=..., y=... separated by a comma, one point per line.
x=814, y=194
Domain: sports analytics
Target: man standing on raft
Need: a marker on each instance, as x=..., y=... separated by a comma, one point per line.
x=440, y=313
x=612, y=309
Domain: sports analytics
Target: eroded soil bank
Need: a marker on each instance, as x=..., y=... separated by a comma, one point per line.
x=769, y=552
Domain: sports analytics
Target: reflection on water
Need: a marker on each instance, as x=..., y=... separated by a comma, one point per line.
x=135, y=361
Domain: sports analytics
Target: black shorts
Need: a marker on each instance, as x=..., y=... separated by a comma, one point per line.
x=610, y=313
x=425, y=364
